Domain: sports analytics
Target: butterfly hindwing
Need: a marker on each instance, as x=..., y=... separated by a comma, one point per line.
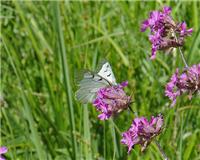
x=89, y=85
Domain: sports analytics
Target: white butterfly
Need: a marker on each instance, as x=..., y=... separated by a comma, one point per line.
x=92, y=82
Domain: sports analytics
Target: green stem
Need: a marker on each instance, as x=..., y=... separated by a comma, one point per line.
x=182, y=55
x=183, y=58
x=161, y=150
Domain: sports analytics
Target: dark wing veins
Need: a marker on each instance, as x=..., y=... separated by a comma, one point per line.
x=109, y=75
x=100, y=78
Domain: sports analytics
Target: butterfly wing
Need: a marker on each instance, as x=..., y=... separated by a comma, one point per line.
x=107, y=73
x=89, y=85
x=92, y=82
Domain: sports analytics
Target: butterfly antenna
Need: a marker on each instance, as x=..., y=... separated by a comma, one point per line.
x=131, y=110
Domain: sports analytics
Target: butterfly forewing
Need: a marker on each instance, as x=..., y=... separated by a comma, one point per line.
x=107, y=73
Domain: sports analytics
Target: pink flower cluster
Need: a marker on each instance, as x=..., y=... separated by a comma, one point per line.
x=188, y=81
x=165, y=33
x=3, y=150
x=111, y=100
x=142, y=132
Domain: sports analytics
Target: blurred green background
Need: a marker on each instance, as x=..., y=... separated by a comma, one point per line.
x=43, y=44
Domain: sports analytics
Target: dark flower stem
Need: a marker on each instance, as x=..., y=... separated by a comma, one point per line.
x=182, y=55
x=161, y=150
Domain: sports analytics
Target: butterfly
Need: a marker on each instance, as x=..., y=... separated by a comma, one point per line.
x=93, y=81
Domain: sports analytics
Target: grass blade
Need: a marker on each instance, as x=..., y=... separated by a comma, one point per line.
x=34, y=134
x=65, y=69
x=87, y=136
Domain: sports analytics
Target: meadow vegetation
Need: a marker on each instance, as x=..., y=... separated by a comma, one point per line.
x=44, y=44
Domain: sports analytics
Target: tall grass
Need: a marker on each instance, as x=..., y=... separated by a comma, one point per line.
x=45, y=43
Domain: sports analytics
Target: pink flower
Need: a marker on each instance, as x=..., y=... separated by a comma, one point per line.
x=163, y=30
x=183, y=29
x=186, y=82
x=169, y=91
x=111, y=100
x=142, y=132
x=2, y=151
